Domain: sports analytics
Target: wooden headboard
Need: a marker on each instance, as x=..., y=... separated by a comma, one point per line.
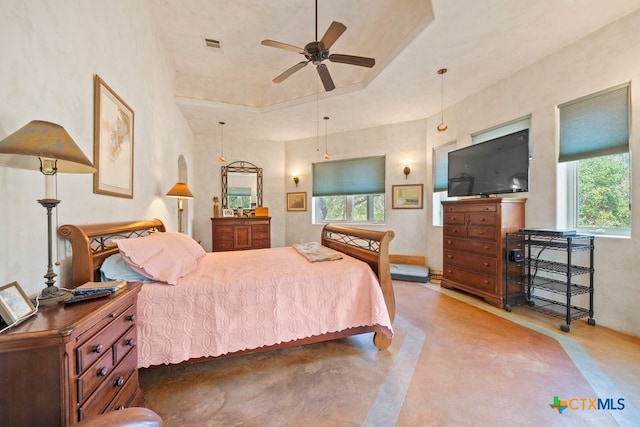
x=92, y=244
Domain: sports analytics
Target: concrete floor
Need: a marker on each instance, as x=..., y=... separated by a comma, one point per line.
x=454, y=361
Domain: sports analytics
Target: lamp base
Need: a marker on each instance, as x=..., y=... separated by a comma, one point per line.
x=52, y=295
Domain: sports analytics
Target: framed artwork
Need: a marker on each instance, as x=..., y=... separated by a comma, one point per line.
x=112, y=142
x=297, y=201
x=228, y=212
x=407, y=196
x=14, y=303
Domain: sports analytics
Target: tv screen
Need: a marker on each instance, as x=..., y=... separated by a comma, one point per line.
x=497, y=166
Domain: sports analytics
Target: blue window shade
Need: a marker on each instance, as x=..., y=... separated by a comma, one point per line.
x=240, y=191
x=350, y=176
x=441, y=166
x=594, y=126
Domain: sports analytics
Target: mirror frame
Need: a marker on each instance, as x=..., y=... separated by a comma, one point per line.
x=241, y=167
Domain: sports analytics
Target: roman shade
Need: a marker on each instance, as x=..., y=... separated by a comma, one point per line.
x=596, y=125
x=365, y=175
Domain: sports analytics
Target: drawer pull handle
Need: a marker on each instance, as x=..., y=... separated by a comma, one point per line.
x=131, y=318
x=97, y=348
x=102, y=371
x=119, y=382
x=486, y=264
x=454, y=230
x=449, y=271
x=483, y=219
x=480, y=232
x=486, y=247
x=448, y=242
x=450, y=256
x=128, y=342
x=486, y=282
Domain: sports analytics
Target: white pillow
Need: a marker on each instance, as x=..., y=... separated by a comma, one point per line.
x=115, y=268
x=162, y=256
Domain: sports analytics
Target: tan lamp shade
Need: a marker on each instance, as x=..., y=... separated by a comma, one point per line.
x=180, y=190
x=40, y=139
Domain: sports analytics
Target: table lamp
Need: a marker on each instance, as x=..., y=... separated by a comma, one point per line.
x=45, y=146
x=181, y=191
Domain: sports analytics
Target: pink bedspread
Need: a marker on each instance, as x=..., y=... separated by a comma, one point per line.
x=248, y=299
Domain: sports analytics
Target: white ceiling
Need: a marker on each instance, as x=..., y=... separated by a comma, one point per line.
x=480, y=42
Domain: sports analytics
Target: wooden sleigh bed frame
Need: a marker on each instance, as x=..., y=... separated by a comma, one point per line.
x=92, y=244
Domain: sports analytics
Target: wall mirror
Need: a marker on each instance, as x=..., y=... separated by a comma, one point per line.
x=241, y=185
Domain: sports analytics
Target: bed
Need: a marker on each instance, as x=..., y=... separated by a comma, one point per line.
x=247, y=301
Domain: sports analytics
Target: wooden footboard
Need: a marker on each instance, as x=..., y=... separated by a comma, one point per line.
x=371, y=247
x=92, y=244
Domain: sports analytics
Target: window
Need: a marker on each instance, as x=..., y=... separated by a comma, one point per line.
x=350, y=190
x=594, y=145
x=440, y=178
x=502, y=130
x=239, y=196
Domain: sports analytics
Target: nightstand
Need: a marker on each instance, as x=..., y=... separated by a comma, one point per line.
x=70, y=362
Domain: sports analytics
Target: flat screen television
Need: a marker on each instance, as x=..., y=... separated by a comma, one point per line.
x=497, y=166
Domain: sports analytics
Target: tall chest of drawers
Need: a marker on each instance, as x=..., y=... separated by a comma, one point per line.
x=237, y=234
x=474, y=244
x=71, y=362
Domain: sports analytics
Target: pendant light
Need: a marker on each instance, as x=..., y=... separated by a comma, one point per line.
x=222, y=158
x=442, y=127
x=326, y=151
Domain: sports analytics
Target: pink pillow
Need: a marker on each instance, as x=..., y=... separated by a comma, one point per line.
x=164, y=257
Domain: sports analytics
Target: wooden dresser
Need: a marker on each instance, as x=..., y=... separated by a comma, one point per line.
x=237, y=234
x=474, y=244
x=71, y=362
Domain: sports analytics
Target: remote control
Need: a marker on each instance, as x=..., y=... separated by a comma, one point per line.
x=85, y=297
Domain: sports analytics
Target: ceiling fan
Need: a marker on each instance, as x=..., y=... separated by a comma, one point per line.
x=317, y=51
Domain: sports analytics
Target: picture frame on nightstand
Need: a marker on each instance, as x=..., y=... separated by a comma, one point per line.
x=14, y=303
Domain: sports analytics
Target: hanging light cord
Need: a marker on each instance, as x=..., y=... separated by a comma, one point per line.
x=442, y=127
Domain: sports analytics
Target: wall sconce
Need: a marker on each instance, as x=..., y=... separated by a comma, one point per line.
x=407, y=171
x=296, y=180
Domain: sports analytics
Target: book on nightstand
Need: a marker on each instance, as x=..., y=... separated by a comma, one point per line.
x=99, y=287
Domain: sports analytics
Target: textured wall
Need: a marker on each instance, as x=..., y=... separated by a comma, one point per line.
x=50, y=53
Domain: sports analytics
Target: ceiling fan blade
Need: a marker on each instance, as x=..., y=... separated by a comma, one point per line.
x=327, y=81
x=352, y=60
x=334, y=31
x=290, y=71
x=284, y=46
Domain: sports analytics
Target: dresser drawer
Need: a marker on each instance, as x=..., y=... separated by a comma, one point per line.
x=223, y=245
x=489, y=233
x=94, y=376
x=221, y=230
x=471, y=262
x=454, y=219
x=455, y=231
x=471, y=280
x=464, y=207
x=482, y=219
x=125, y=397
x=125, y=344
x=91, y=350
x=485, y=248
x=99, y=401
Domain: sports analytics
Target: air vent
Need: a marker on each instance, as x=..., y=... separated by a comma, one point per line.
x=215, y=44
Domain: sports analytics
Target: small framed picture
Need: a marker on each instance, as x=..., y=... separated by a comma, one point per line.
x=228, y=212
x=297, y=201
x=14, y=303
x=407, y=196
